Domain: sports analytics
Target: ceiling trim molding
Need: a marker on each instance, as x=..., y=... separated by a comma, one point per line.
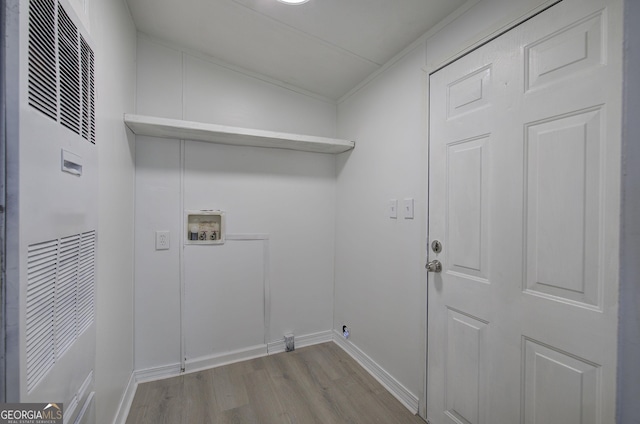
x=217, y=62
x=411, y=47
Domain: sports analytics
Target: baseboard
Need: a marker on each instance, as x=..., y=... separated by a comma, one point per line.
x=142, y=376
x=126, y=401
x=70, y=408
x=157, y=373
x=217, y=360
x=400, y=392
x=301, y=341
x=85, y=397
x=88, y=412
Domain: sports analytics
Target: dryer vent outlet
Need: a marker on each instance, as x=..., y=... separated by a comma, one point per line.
x=289, y=345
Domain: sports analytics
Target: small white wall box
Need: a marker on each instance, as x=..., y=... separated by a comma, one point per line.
x=204, y=227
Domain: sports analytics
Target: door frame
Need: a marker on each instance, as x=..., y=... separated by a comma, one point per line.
x=492, y=32
x=628, y=378
x=10, y=352
x=3, y=167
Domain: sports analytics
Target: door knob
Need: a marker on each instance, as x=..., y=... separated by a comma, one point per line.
x=434, y=266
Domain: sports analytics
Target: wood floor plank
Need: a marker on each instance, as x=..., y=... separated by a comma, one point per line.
x=300, y=397
x=229, y=387
x=348, y=395
x=315, y=384
x=319, y=369
x=356, y=370
x=199, y=398
x=246, y=367
x=324, y=356
x=319, y=384
x=168, y=409
x=360, y=404
x=140, y=404
x=294, y=402
x=261, y=395
x=242, y=415
x=341, y=363
x=399, y=410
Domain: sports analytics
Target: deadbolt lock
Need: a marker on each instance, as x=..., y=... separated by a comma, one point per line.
x=436, y=246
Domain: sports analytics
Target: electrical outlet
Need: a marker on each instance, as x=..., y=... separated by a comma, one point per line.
x=162, y=240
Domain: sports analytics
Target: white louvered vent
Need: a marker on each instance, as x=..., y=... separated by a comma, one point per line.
x=61, y=69
x=42, y=264
x=69, y=65
x=86, y=281
x=88, y=93
x=60, y=299
x=67, y=293
x=42, y=57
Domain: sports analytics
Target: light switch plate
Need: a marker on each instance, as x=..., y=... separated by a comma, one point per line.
x=163, y=240
x=408, y=208
x=392, y=209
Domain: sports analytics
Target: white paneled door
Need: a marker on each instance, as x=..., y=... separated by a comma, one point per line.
x=524, y=200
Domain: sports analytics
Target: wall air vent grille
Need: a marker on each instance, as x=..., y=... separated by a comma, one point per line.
x=42, y=57
x=61, y=69
x=60, y=299
x=67, y=293
x=42, y=265
x=86, y=281
x=69, y=65
x=88, y=93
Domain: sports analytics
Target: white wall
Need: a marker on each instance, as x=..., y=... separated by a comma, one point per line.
x=378, y=289
x=215, y=93
x=157, y=274
x=380, y=280
x=115, y=44
x=290, y=196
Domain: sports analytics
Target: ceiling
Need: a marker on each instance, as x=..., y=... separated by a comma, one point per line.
x=324, y=47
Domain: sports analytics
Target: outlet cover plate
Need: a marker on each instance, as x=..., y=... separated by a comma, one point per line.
x=163, y=240
x=392, y=208
x=408, y=208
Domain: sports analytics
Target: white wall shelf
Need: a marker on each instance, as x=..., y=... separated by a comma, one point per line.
x=236, y=136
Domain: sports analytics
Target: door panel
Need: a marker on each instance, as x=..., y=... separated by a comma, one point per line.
x=469, y=93
x=566, y=52
x=551, y=375
x=467, y=202
x=465, y=367
x=524, y=175
x=562, y=196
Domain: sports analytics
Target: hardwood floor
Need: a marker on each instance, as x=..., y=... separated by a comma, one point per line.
x=316, y=384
